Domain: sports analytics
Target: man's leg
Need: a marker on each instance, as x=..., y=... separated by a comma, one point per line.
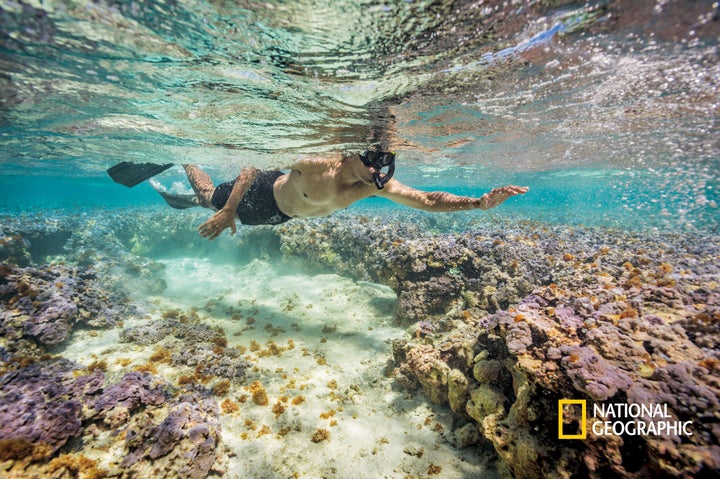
x=201, y=184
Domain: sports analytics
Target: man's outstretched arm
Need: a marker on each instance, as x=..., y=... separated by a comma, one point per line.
x=225, y=217
x=442, y=202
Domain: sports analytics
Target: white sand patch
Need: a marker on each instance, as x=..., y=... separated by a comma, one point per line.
x=331, y=411
x=104, y=346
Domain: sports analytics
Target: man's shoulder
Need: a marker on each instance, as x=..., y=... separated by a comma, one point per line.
x=313, y=163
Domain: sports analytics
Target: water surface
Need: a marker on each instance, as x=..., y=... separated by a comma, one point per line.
x=607, y=110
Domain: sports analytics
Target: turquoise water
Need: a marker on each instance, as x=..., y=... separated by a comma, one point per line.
x=591, y=198
x=608, y=114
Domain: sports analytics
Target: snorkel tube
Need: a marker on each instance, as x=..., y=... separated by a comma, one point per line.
x=379, y=160
x=380, y=182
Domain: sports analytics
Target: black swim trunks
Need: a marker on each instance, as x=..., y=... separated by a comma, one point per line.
x=258, y=206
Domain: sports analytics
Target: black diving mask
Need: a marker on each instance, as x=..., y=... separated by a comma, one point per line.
x=379, y=160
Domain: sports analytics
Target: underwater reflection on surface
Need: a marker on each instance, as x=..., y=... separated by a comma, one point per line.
x=496, y=88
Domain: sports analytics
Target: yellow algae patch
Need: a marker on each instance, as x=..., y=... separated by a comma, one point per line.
x=320, y=435
x=221, y=388
x=259, y=395
x=229, y=407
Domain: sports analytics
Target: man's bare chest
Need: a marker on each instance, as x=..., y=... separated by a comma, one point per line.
x=327, y=190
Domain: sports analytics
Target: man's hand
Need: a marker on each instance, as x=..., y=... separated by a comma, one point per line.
x=498, y=195
x=217, y=223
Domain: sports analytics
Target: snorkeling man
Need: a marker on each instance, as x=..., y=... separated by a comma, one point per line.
x=315, y=187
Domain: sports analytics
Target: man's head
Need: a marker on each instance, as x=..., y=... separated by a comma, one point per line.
x=377, y=160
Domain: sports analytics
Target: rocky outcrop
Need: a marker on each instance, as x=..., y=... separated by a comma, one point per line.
x=510, y=322
x=48, y=403
x=53, y=411
x=44, y=304
x=608, y=332
x=184, y=444
x=431, y=274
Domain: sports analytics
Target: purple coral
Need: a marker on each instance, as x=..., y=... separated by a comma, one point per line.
x=51, y=301
x=37, y=406
x=567, y=317
x=591, y=374
x=187, y=438
x=133, y=390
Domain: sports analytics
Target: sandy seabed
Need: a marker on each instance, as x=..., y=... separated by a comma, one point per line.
x=319, y=346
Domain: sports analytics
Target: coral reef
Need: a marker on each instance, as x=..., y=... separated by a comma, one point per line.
x=133, y=392
x=151, y=332
x=40, y=408
x=60, y=275
x=507, y=322
x=46, y=404
x=431, y=274
x=184, y=444
x=14, y=250
x=45, y=304
x=604, y=331
x=193, y=344
x=504, y=322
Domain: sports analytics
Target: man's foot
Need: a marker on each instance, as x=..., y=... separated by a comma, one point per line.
x=180, y=202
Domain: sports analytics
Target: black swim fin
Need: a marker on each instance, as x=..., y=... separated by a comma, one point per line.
x=131, y=174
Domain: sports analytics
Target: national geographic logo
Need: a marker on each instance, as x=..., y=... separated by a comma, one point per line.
x=568, y=403
x=618, y=419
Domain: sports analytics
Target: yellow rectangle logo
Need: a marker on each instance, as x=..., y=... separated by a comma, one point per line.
x=562, y=403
